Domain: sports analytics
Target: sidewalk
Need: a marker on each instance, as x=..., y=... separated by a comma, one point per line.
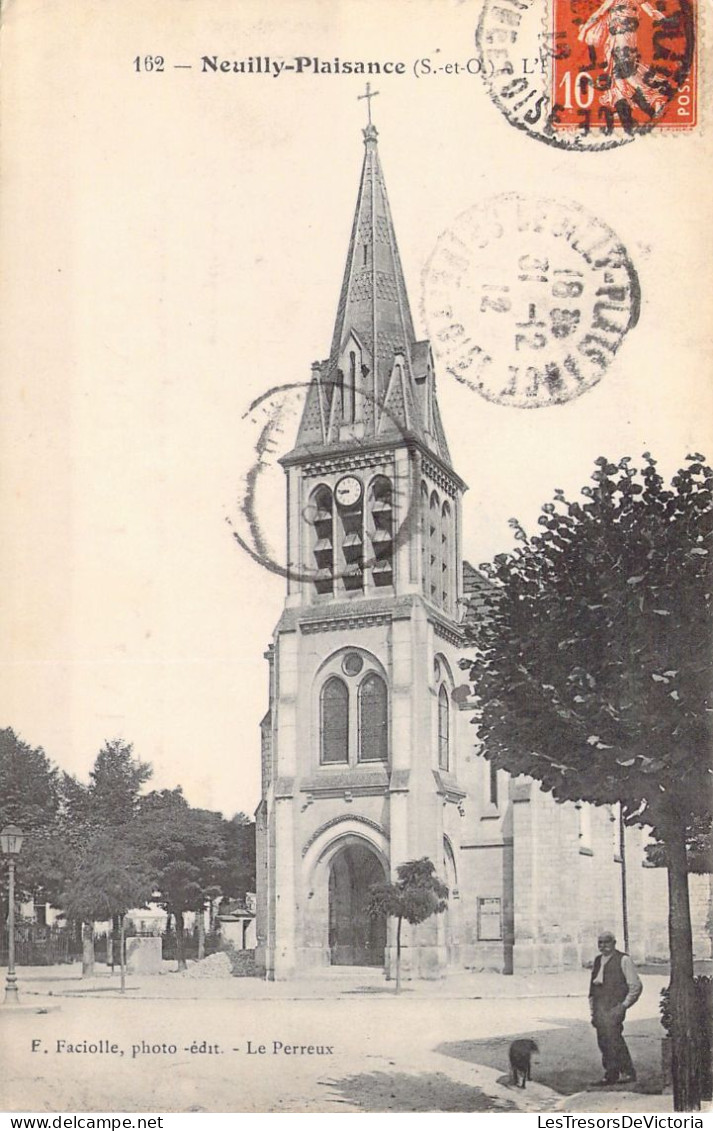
x=67, y=981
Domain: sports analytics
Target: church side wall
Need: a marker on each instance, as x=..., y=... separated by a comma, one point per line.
x=486, y=881
x=566, y=882
x=648, y=913
x=701, y=889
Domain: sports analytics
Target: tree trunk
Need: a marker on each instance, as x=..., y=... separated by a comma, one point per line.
x=114, y=933
x=122, y=956
x=686, y=1058
x=180, y=950
x=201, y=932
x=398, y=954
x=87, y=949
x=624, y=892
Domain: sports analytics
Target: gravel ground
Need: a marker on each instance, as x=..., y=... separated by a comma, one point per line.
x=215, y=1044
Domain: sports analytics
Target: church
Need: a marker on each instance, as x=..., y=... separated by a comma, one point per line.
x=369, y=757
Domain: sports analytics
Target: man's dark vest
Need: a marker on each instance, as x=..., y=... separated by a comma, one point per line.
x=614, y=988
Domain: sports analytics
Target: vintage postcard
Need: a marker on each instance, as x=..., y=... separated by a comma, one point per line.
x=356, y=509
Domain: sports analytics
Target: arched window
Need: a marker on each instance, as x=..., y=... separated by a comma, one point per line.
x=425, y=572
x=373, y=719
x=348, y=370
x=434, y=548
x=320, y=514
x=381, y=530
x=334, y=722
x=350, y=391
x=443, y=729
x=446, y=588
x=493, y=784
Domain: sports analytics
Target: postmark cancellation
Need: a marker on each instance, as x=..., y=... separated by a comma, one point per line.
x=528, y=300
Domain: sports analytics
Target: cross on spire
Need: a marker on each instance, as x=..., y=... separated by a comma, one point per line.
x=368, y=95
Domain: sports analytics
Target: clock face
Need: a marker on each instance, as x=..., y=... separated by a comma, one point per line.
x=348, y=491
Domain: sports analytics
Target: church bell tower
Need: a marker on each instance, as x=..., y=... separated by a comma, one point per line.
x=360, y=744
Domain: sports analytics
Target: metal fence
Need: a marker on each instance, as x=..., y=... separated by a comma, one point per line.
x=41, y=946
x=190, y=944
x=49, y=946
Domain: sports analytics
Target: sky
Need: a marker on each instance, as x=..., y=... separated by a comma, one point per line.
x=172, y=245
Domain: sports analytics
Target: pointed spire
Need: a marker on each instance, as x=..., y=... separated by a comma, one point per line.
x=377, y=376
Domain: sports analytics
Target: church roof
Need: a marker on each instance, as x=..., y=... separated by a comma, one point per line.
x=478, y=594
x=374, y=346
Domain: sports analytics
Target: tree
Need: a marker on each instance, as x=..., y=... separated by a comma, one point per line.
x=417, y=894
x=30, y=796
x=116, y=780
x=592, y=675
x=699, y=848
x=160, y=801
x=112, y=878
x=28, y=782
x=75, y=811
x=180, y=891
x=186, y=849
x=238, y=877
x=109, y=801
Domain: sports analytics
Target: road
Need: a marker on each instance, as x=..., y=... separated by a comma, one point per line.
x=360, y=1051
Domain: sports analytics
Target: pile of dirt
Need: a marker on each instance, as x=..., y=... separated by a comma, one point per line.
x=226, y=963
x=214, y=966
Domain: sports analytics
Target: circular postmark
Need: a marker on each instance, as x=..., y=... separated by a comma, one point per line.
x=527, y=300
x=590, y=75
x=378, y=515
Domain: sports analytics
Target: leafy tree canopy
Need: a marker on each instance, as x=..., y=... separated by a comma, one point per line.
x=161, y=801
x=109, y=801
x=592, y=671
x=185, y=847
x=417, y=894
x=116, y=779
x=29, y=789
x=112, y=878
x=239, y=874
x=30, y=796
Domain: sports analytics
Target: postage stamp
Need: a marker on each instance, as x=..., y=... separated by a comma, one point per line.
x=528, y=300
x=585, y=75
x=624, y=64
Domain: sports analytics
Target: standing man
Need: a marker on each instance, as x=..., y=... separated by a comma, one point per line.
x=615, y=986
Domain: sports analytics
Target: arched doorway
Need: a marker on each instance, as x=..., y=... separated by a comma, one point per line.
x=451, y=914
x=355, y=939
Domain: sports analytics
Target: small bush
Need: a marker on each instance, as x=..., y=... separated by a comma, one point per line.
x=242, y=962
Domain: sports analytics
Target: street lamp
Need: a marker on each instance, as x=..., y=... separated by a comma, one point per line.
x=11, y=839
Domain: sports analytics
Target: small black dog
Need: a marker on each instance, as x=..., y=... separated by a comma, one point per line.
x=520, y=1055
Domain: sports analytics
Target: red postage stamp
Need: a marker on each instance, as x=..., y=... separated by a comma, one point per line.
x=624, y=64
